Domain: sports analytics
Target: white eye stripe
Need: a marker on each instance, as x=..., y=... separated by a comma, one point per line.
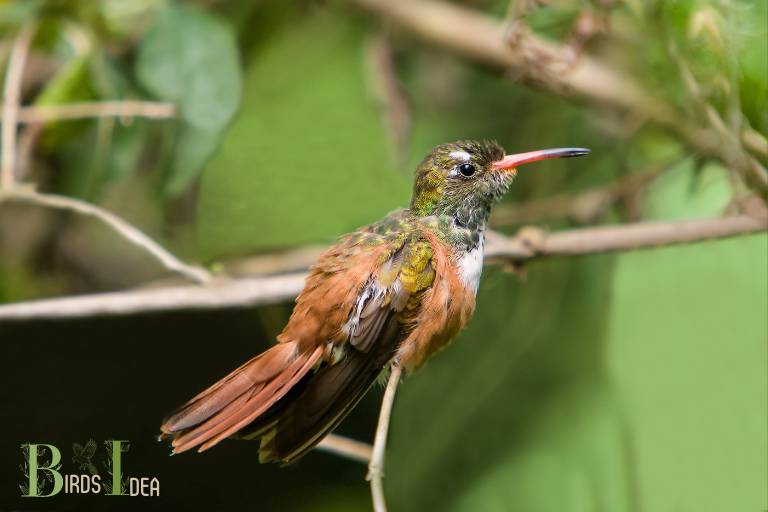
x=459, y=155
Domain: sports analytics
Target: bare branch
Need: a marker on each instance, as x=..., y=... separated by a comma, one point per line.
x=528, y=245
x=531, y=243
x=11, y=100
x=128, y=108
x=126, y=230
x=346, y=447
x=376, y=466
x=219, y=294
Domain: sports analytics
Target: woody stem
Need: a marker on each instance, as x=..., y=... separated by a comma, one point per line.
x=376, y=466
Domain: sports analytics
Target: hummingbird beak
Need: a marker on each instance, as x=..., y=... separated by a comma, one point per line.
x=510, y=162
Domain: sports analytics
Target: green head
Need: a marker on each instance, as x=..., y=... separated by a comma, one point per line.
x=464, y=178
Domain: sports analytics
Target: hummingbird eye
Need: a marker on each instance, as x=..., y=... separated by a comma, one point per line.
x=467, y=169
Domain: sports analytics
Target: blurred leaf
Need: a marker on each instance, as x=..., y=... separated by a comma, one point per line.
x=109, y=76
x=127, y=147
x=307, y=158
x=71, y=84
x=121, y=18
x=14, y=14
x=193, y=149
x=189, y=56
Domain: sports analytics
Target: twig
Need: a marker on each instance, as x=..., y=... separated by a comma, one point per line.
x=346, y=447
x=531, y=243
x=128, y=108
x=376, y=466
x=11, y=100
x=219, y=294
x=528, y=245
x=126, y=230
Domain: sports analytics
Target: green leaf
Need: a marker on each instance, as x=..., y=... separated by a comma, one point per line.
x=307, y=158
x=194, y=147
x=70, y=84
x=189, y=56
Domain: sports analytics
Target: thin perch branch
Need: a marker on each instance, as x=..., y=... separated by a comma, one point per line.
x=128, y=108
x=531, y=243
x=376, y=466
x=528, y=245
x=346, y=447
x=11, y=100
x=126, y=230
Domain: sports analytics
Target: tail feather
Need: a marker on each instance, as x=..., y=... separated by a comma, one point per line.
x=266, y=398
x=238, y=398
x=257, y=370
x=286, y=397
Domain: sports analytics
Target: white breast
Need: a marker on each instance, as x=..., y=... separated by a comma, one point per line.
x=471, y=266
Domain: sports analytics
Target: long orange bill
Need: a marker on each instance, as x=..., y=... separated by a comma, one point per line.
x=509, y=162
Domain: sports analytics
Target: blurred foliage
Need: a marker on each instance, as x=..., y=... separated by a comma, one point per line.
x=190, y=57
x=608, y=383
x=317, y=146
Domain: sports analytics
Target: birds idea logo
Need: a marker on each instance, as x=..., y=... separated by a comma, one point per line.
x=92, y=471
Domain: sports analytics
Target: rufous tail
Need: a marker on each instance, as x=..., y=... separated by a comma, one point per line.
x=288, y=398
x=239, y=398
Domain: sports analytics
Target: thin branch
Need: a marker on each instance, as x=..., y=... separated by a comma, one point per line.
x=532, y=243
x=219, y=294
x=376, y=466
x=126, y=230
x=346, y=447
x=127, y=108
x=528, y=245
x=11, y=100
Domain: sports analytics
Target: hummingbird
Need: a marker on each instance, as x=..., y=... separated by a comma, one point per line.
x=393, y=292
